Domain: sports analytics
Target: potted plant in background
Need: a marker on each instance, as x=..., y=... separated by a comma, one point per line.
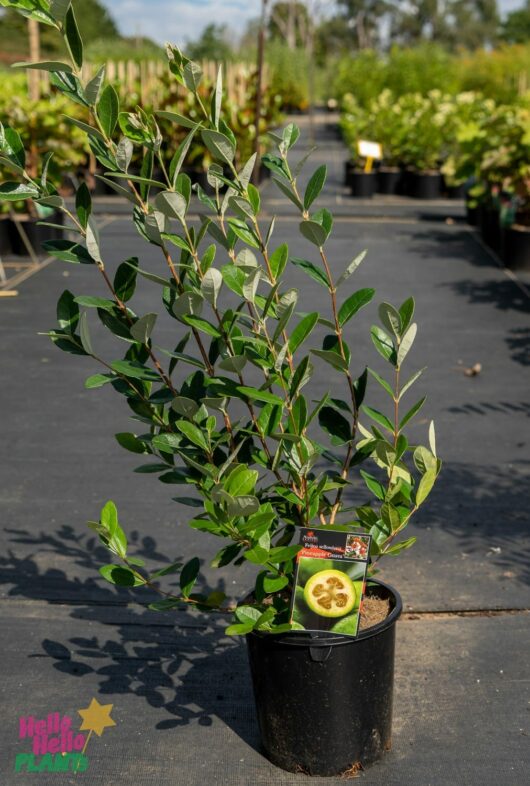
x=426, y=118
x=388, y=128
x=227, y=409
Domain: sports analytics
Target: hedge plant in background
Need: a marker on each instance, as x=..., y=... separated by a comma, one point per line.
x=226, y=410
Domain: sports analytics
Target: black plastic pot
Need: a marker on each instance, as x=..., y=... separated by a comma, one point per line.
x=36, y=234
x=490, y=227
x=472, y=215
x=425, y=185
x=457, y=192
x=324, y=701
x=363, y=184
x=349, y=169
x=389, y=180
x=516, y=247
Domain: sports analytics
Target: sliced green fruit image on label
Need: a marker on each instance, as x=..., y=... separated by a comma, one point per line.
x=347, y=625
x=330, y=593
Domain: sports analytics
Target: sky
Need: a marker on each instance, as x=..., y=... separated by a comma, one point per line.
x=183, y=20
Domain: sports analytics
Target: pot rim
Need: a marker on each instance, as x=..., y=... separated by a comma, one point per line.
x=304, y=638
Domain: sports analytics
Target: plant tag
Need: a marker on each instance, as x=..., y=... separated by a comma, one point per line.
x=368, y=149
x=330, y=580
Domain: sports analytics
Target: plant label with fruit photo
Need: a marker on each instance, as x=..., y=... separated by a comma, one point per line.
x=329, y=580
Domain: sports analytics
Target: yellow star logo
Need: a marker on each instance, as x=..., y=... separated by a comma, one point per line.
x=96, y=717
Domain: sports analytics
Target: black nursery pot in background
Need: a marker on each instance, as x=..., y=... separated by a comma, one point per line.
x=36, y=233
x=389, y=180
x=349, y=169
x=490, y=227
x=5, y=235
x=363, y=184
x=425, y=185
x=516, y=247
x=324, y=701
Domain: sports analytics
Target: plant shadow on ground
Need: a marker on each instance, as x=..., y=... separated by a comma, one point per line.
x=180, y=663
x=485, y=508
x=502, y=293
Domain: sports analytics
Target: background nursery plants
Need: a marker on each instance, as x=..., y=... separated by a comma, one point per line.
x=225, y=410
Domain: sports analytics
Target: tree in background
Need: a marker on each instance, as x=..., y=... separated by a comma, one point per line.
x=212, y=44
x=290, y=22
x=516, y=27
x=363, y=19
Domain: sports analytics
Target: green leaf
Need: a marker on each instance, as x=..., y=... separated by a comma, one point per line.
x=122, y=577
x=142, y=329
x=180, y=155
x=312, y=270
x=315, y=186
x=88, y=301
x=241, y=481
x=168, y=570
x=432, y=438
x=130, y=442
x=108, y=110
x=125, y=279
x=192, y=76
x=336, y=425
x=67, y=312
x=193, y=433
x=384, y=344
x=384, y=384
x=314, y=232
x=134, y=370
x=124, y=153
x=290, y=135
x=14, y=192
x=287, y=191
x=352, y=267
x=425, y=486
x=164, y=605
x=46, y=65
x=59, y=8
x=260, y=395
x=244, y=505
x=411, y=381
x=332, y=358
x=93, y=88
x=98, y=380
x=354, y=303
x=84, y=334
x=188, y=576
x=185, y=406
x=390, y=517
x=410, y=414
x=393, y=551
x=378, y=417
x=390, y=318
x=301, y=377
x=278, y=260
x=373, y=484
x=406, y=312
x=171, y=204
x=302, y=331
x=83, y=204
x=73, y=39
x=406, y=343
x=219, y=145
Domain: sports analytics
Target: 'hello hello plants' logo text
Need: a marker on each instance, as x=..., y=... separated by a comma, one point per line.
x=55, y=745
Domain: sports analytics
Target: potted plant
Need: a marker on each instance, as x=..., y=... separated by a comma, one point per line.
x=227, y=411
x=426, y=119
